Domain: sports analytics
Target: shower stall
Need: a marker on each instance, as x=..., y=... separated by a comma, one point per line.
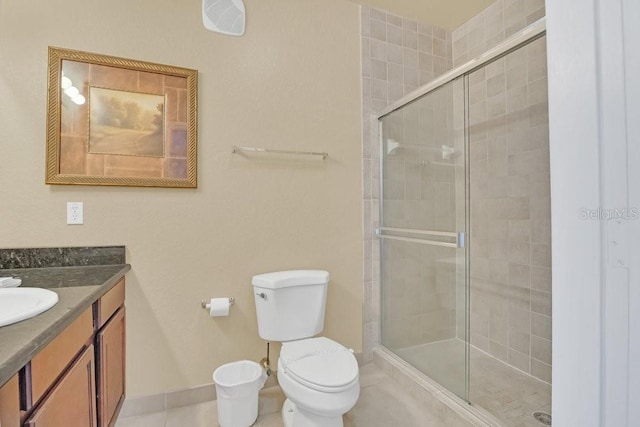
x=465, y=231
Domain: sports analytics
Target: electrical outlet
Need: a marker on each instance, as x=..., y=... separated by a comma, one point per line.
x=75, y=213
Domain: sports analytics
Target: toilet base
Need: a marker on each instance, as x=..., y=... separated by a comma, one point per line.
x=292, y=416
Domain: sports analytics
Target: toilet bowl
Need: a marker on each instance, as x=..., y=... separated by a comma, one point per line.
x=320, y=379
x=318, y=375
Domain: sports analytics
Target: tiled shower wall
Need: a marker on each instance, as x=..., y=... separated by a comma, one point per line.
x=398, y=56
x=511, y=280
x=510, y=190
x=492, y=26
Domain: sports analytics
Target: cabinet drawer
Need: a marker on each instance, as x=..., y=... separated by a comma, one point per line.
x=10, y=403
x=47, y=365
x=72, y=402
x=110, y=303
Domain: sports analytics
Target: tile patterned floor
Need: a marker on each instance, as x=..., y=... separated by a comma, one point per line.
x=382, y=403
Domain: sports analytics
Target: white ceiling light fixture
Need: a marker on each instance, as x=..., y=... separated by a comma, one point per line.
x=224, y=16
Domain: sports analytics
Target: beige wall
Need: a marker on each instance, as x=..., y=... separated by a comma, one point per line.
x=292, y=82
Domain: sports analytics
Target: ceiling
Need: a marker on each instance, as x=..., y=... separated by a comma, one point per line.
x=447, y=14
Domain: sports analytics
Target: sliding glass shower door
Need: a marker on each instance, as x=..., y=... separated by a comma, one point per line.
x=422, y=230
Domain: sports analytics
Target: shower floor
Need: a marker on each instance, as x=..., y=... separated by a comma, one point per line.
x=508, y=394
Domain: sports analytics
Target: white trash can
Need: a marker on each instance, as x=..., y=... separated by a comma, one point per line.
x=237, y=387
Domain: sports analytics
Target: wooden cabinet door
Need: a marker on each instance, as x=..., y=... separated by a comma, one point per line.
x=10, y=403
x=72, y=401
x=48, y=365
x=111, y=361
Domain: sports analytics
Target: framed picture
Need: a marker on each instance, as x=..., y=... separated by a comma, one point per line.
x=116, y=121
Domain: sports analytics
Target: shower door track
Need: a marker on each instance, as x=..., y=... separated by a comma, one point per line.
x=516, y=41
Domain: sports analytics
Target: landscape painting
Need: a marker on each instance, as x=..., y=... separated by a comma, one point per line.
x=126, y=123
x=119, y=121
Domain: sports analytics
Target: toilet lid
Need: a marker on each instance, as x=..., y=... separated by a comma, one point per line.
x=319, y=363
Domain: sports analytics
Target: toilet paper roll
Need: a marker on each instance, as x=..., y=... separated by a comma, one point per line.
x=219, y=307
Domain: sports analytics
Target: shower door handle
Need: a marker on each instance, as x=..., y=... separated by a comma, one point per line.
x=461, y=239
x=459, y=243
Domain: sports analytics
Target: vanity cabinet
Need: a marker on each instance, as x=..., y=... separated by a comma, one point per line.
x=50, y=363
x=10, y=403
x=78, y=379
x=72, y=401
x=110, y=352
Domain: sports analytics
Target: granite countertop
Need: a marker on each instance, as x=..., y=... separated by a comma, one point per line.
x=78, y=287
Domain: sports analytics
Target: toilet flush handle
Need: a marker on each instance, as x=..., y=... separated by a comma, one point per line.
x=262, y=295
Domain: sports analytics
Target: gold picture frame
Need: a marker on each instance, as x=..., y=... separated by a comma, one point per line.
x=116, y=121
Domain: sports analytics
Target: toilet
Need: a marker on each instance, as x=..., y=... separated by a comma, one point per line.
x=318, y=376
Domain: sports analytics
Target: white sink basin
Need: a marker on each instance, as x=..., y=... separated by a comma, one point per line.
x=18, y=304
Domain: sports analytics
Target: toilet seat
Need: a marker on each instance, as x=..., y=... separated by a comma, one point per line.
x=320, y=364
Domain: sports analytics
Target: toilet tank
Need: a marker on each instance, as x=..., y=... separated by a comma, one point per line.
x=290, y=304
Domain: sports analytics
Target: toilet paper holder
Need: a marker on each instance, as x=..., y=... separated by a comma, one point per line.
x=205, y=304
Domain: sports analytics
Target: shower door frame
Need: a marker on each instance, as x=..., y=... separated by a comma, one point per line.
x=519, y=40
